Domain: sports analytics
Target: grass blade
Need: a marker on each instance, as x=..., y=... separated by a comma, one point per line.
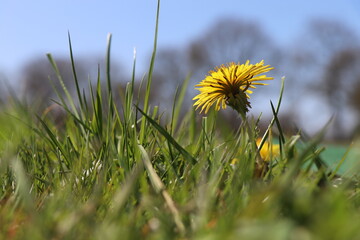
x=168, y=137
x=74, y=73
x=275, y=115
x=160, y=188
x=149, y=79
x=58, y=75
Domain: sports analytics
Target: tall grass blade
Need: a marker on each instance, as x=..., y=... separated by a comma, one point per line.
x=58, y=75
x=149, y=78
x=108, y=75
x=282, y=138
x=178, y=101
x=275, y=115
x=74, y=74
x=23, y=187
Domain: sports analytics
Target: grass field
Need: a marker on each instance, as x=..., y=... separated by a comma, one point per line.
x=110, y=169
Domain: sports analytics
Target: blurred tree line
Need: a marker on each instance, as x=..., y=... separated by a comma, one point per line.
x=322, y=69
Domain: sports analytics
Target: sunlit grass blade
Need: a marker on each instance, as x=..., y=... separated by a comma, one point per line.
x=98, y=108
x=149, y=76
x=23, y=188
x=60, y=79
x=108, y=75
x=129, y=94
x=275, y=115
x=75, y=74
x=178, y=101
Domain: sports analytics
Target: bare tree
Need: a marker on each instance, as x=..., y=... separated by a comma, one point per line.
x=39, y=78
x=318, y=65
x=229, y=40
x=232, y=40
x=345, y=72
x=355, y=104
x=308, y=57
x=340, y=77
x=171, y=70
x=328, y=37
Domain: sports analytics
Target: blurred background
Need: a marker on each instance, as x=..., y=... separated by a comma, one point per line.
x=314, y=44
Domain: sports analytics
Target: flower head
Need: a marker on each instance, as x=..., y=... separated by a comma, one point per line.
x=230, y=85
x=268, y=150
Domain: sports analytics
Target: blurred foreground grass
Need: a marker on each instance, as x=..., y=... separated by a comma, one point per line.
x=334, y=153
x=118, y=169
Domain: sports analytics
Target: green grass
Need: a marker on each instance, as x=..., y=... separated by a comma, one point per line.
x=119, y=169
x=348, y=155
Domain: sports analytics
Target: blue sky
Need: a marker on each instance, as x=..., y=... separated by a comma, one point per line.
x=34, y=28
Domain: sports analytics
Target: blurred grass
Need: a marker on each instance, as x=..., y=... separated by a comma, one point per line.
x=113, y=169
x=334, y=153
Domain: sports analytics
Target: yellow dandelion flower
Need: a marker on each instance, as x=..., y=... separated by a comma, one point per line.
x=267, y=150
x=230, y=85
